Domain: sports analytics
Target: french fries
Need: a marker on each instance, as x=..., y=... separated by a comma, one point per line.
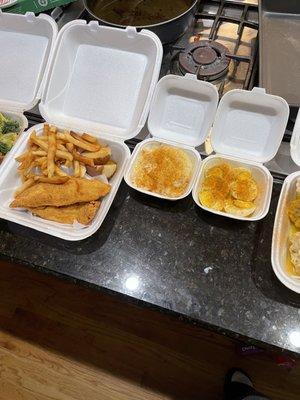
x=78, y=141
x=104, y=152
x=76, y=169
x=89, y=138
x=51, y=151
x=54, y=179
x=55, y=156
x=82, y=159
x=24, y=186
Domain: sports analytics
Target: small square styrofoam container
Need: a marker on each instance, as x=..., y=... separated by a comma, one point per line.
x=100, y=80
x=30, y=38
x=282, y=224
x=247, y=132
x=181, y=114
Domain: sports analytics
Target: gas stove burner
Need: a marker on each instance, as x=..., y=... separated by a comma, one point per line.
x=207, y=59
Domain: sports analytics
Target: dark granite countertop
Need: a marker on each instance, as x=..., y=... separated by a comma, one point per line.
x=208, y=269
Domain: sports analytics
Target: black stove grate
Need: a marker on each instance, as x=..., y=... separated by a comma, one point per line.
x=221, y=11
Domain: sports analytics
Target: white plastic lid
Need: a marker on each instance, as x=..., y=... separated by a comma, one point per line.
x=26, y=46
x=249, y=125
x=183, y=109
x=295, y=141
x=101, y=79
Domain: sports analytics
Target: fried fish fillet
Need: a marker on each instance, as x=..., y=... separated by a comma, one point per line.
x=75, y=190
x=83, y=213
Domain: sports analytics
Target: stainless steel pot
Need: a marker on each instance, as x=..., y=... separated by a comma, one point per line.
x=167, y=31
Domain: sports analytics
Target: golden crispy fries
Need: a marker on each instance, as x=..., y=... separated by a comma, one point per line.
x=70, y=147
x=64, y=154
x=76, y=169
x=102, y=153
x=46, y=130
x=51, y=151
x=39, y=153
x=26, y=163
x=89, y=138
x=40, y=161
x=60, y=172
x=82, y=170
x=41, y=143
x=68, y=164
x=24, y=186
x=77, y=141
x=82, y=159
x=83, y=144
x=61, y=147
x=22, y=157
x=54, y=179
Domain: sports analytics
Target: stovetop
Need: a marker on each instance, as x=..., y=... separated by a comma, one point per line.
x=224, y=39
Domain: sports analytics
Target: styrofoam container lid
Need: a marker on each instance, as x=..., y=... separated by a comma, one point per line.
x=249, y=124
x=102, y=79
x=27, y=44
x=295, y=141
x=183, y=109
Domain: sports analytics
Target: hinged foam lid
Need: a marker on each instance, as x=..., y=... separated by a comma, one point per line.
x=26, y=46
x=102, y=79
x=183, y=109
x=295, y=141
x=249, y=124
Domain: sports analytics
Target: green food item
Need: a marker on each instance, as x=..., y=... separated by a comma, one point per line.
x=4, y=148
x=8, y=125
x=7, y=141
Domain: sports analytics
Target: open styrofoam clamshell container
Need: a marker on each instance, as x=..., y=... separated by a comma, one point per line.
x=100, y=80
x=247, y=132
x=27, y=43
x=281, y=232
x=181, y=114
x=282, y=225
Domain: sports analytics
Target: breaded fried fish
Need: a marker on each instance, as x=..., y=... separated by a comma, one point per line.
x=75, y=190
x=83, y=213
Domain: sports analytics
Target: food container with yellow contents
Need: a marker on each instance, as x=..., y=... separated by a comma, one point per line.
x=181, y=114
x=286, y=220
x=283, y=228
x=247, y=132
x=98, y=80
x=27, y=43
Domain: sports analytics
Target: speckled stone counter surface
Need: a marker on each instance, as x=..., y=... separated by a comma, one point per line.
x=173, y=255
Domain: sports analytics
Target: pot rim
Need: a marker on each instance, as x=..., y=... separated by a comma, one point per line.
x=139, y=26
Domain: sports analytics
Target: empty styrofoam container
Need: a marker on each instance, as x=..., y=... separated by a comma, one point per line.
x=282, y=225
x=247, y=132
x=100, y=80
x=181, y=114
x=27, y=43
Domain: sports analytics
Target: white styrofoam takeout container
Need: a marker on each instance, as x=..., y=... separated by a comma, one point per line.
x=281, y=232
x=181, y=114
x=247, y=132
x=99, y=80
x=282, y=224
x=30, y=38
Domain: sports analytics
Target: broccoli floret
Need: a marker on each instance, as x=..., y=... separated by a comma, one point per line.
x=7, y=141
x=7, y=125
x=11, y=126
x=4, y=148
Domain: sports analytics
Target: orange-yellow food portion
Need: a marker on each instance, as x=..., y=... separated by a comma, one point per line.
x=162, y=169
x=230, y=189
